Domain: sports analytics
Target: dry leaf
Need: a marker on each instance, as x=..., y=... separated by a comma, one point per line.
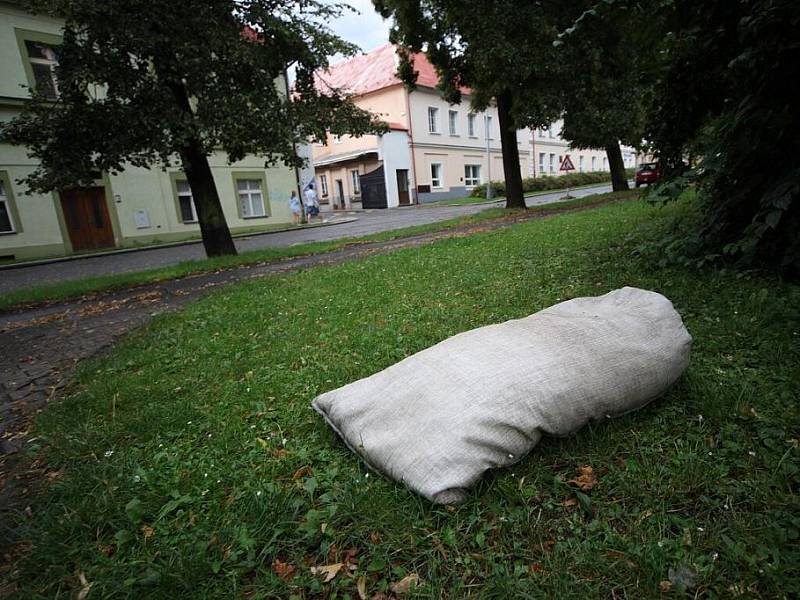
x=330, y=571
x=569, y=502
x=85, y=586
x=374, y=538
x=302, y=472
x=279, y=453
x=665, y=585
x=361, y=586
x=106, y=549
x=586, y=480
x=405, y=584
x=536, y=568
x=283, y=570
x=148, y=532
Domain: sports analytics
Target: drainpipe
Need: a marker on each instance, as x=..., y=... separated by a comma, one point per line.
x=413, y=191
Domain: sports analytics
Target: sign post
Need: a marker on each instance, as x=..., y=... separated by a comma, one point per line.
x=566, y=166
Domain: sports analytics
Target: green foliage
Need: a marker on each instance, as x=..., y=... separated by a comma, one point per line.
x=139, y=82
x=726, y=99
x=547, y=182
x=188, y=462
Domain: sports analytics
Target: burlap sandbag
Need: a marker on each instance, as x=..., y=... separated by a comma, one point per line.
x=482, y=399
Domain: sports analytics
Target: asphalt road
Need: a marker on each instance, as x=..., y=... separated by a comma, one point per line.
x=371, y=221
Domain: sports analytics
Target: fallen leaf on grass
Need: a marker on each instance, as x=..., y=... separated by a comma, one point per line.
x=586, y=480
x=569, y=502
x=361, y=587
x=405, y=584
x=665, y=585
x=330, y=571
x=302, y=472
x=85, y=586
x=148, y=532
x=283, y=570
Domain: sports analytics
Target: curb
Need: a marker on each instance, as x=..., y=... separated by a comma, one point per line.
x=58, y=259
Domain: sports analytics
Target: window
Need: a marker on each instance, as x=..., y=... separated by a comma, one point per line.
x=542, y=163
x=337, y=139
x=436, y=175
x=605, y=164
x=550, y=133
x=471, y=126
x=452, y=119
x=354, y=174
x=594, y=163
x=552, y=163
x=433, y=119
x=580, y=163
x=488, y=127
x=43, y=59
x=472, y=175
x=251, y=198
x=6, y=222
x=185, y=201
x=323, y=185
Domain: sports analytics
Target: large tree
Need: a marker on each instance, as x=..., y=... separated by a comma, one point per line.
x=143, y=83
x=496, y=50
x=607, y=74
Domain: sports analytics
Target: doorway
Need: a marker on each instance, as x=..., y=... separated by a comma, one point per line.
x=86, y=217
x=340, y=192
x=402, y=187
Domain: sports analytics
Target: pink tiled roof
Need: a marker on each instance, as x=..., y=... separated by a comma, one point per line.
x=373, y=71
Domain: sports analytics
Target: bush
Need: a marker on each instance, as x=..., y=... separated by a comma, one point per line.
x=547, y=182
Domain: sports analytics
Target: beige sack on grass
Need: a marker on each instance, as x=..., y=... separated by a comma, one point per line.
x=482, y=399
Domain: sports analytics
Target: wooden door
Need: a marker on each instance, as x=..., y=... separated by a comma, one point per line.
x=86, y=216
x=402, y=187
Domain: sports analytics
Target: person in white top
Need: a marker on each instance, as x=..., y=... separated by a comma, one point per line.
x=311, y=202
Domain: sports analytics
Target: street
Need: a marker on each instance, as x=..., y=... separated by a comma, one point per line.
x=368, y=222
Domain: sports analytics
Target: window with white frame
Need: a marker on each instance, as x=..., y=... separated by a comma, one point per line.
x=605, y=164
x=542, y=163
x=337, y=139
x=433, y=119
x=550, y=131
x=44, y=60
x=251, y=198
x=594, y=163
x=488, y=127
x=6, y=222
x=552, y=163
x=185, y=201
x=580, y=163
x=472, y=175
x=323, y=185
x=471, y=126
x=452, y=121
x=436, y=175
x=355, y=177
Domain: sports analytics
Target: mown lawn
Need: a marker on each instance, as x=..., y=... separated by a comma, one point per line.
x=189, y=464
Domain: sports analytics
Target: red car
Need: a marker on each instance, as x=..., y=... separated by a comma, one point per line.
x=647, y=173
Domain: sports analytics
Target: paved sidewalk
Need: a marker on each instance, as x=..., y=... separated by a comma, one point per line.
x=368, y=222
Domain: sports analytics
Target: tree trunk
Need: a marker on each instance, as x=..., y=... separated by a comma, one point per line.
x=508, y=142
x=619, y=180
x=217, y=239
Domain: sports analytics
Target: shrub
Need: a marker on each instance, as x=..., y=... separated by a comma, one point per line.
x=548, y=182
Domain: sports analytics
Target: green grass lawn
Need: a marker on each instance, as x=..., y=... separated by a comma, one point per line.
x=73, y=289
x=188, y=462
x=482, y=199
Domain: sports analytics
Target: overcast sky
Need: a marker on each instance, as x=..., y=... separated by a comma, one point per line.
x=364, y=28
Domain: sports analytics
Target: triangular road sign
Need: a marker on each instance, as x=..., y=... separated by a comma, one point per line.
x=566, y=164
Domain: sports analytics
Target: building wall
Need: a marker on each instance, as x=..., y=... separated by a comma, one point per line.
x=456, y=150
x=40, y=228
x=342, y=171
x=396, y=155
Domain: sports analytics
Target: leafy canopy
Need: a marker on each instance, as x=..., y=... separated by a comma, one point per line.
x=124, y=66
